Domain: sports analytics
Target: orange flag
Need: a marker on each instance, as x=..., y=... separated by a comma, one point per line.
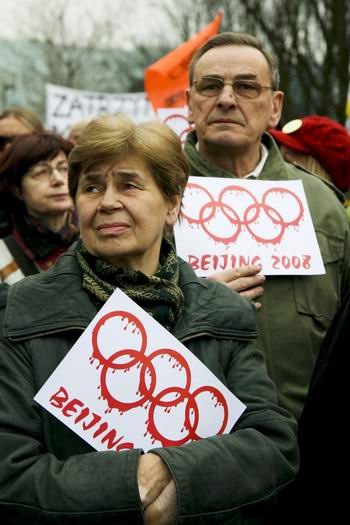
x=166, y=80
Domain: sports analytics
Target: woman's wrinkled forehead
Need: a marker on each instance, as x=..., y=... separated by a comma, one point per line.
x=120, y=164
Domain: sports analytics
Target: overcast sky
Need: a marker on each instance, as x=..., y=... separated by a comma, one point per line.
x=142, y=17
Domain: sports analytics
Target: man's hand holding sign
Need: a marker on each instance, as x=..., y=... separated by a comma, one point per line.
x=245, y=280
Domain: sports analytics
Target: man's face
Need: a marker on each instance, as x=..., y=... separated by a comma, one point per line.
x=227, y=120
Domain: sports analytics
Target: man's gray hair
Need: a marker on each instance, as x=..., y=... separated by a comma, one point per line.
x=237, y=39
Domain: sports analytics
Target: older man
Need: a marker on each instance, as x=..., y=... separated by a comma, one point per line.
x=233, y=99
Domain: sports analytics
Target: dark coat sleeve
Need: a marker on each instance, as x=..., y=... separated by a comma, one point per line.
x=38, y=488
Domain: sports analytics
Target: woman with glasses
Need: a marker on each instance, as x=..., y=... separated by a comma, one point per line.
x=35, y=169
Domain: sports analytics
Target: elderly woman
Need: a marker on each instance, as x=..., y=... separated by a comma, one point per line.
x=35, y=169
x=127, y=181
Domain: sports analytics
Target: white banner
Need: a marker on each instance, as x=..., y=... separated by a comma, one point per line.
x=65, y=106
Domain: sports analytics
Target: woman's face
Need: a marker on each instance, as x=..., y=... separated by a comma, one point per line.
x=122, y=214
x=44, y=188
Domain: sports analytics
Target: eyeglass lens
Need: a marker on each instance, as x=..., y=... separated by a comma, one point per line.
x=46, y=171
x=211, y=87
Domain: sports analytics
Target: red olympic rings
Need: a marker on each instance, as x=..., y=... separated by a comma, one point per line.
x=191, y=405
x=249, y=219
x=147, y=389
x=130, y=319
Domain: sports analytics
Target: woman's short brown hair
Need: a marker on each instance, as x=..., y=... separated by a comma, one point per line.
x=27, y=150
x=112, y=137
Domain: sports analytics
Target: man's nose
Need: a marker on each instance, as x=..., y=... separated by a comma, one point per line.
x=227, y=97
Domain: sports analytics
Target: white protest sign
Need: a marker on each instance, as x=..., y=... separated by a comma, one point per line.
x=177, y=120
x=128, y=383
x=228, y=223
x=65, y=106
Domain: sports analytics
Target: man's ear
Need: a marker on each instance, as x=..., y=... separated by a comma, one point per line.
x=189, y=104
x=277, y=104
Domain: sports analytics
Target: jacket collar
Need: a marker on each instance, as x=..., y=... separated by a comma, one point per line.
x=201, y=167
x=275, y=167
x=57, y=298
x=60, y=303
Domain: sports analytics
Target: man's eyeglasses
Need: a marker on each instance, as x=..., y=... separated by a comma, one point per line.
x=45, y=171
x=213, y=86
x=6, y=139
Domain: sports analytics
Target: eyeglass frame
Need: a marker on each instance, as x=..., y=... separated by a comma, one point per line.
x=49, y=171
x=231, y=83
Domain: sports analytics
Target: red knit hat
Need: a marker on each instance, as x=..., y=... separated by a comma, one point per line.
x=324, y=139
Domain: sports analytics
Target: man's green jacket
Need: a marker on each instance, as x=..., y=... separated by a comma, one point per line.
x=297, y=310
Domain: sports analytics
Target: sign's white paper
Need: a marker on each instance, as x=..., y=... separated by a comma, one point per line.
x=128, y=383
x=228, y=223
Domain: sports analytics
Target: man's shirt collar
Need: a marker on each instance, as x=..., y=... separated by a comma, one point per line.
x=264, y=152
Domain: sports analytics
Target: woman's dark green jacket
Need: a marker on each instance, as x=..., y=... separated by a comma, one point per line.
x=49, y=475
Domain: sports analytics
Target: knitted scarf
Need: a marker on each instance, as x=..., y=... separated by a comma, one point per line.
x=39, y=243
x=158, y=294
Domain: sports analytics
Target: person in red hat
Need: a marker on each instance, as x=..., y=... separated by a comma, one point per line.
x=318, y=144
